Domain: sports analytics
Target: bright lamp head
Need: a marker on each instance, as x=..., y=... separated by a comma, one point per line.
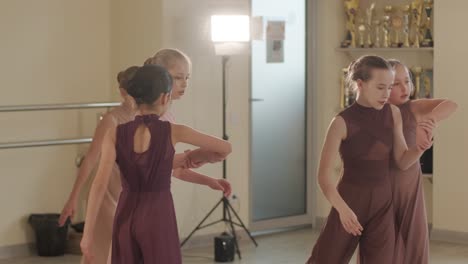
x=230, y=28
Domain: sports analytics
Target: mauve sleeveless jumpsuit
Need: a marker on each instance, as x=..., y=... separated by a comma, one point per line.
x=145, y=227
x=366, y=188
x=412, y=245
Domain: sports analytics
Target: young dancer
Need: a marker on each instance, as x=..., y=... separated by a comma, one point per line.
x=179, y=66
x=412, y=244
x=367, y=135
x=118, y=115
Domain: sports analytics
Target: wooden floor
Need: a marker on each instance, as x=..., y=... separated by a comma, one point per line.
x=283, y=248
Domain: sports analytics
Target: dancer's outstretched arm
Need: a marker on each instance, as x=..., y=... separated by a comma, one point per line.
x=222, y=148
x=199, y=157
x=436, y=109
x=185, y=134
x=198, y=178
x=403, y=156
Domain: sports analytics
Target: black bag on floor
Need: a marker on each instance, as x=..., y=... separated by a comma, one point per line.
x=50, y=238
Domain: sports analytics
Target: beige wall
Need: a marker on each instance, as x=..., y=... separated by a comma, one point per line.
x=451, y=166
x=50, y=54
x=136, y=33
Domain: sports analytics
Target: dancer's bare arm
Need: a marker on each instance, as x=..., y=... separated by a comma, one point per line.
x=335, y=135
x=89, y=163
x=436, y=109
x=403, y=156
x=185, y=134
x=198, y=178
x=96, y=195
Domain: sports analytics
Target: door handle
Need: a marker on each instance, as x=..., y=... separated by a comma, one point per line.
x=256, y=100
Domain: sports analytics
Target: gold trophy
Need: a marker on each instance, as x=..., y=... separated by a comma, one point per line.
x=351, y=7
x=406, y=10
x=428, y=41
x=426, y=83
x=386, y=31
x=347, y=93
x=343, y=90
x=397, y=24
x=377, y=33
x=427, y=87
x=388, y=25
x=416, y=14
x=369, y=12
x=417, y=79
x=362, y=31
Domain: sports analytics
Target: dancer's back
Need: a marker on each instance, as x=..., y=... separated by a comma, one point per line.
x=145, y=216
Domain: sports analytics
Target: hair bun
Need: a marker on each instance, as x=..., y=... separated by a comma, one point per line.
x=148, y=83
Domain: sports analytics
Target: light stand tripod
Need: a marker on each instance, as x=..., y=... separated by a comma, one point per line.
x=227, y=207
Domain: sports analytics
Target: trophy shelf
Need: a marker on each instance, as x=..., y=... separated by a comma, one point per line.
x=428, y=49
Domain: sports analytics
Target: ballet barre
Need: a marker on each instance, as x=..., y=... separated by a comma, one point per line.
x=44, y=143
x=22, y=108
x=54, y=142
